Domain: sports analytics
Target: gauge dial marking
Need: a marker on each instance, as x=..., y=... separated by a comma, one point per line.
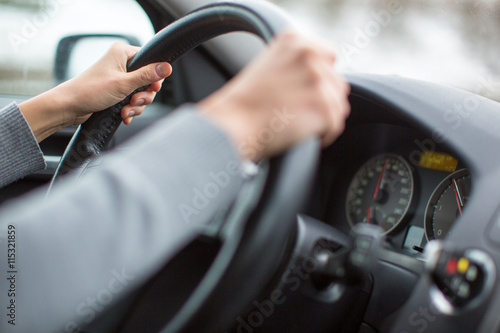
x=380, y=192
x=458, y=196
x=446, y=204
x=379, y=182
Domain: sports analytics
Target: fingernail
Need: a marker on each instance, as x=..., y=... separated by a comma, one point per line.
x=140, y=102
x=161, y=70
x=131, y=114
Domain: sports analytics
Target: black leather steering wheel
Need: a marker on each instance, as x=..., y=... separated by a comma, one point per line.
x=251, y=252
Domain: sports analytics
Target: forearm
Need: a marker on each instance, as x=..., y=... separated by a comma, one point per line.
x=128, y=219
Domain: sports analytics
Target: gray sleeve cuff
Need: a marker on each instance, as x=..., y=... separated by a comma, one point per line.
x=20, y=153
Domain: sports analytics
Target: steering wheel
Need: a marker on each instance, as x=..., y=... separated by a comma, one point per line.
x=253, y=243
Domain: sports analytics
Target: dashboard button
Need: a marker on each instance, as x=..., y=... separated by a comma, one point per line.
x=463, y=265
x=471, y=274
x=462, y=279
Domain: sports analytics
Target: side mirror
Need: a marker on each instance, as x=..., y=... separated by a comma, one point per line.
x=76, y=53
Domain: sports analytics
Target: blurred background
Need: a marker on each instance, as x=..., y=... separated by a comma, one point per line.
x=455, y=42
x=31, y=30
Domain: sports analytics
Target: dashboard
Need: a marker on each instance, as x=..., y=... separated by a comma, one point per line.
x=385, y=171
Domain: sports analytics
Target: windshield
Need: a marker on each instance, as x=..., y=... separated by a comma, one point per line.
x=454, y=42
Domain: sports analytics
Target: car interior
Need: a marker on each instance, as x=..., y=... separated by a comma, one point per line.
x=393, y=228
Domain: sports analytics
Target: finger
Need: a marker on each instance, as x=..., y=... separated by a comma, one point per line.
x=340, y=87
x=330, y=73
x=339, y=112
x=130, y=50
x=130, y=111
x=306, y=45
x=127, y=121
x=142, y=98
x=339, y=81
x=324, y=50
x=338, y=122
x=155, y=87
x=331, y=102
x=148, y=75
x=122, y=53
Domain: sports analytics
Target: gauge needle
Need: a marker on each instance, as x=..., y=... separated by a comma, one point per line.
x=369, y=215
x=379, y=183
x=458, y=197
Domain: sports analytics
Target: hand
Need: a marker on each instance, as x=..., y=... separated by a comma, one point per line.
x=289, y=93
x=107, y=83
x=101, y=86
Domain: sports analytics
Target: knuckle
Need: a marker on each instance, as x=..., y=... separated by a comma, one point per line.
x=347, y=109
x=315, y=77
x=338, y=122
x=347, y=87
x=145, y=76
x=340, y=128
x=306, y=53
x=289, y=37
x=117, y=46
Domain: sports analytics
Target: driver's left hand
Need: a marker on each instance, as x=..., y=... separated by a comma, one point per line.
x=107, y=83
x=103, y=85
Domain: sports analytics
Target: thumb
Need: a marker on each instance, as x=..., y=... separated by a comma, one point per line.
x=149, y=74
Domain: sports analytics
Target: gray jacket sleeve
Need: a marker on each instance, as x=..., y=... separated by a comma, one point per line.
x=20, y=154
x=63, y=261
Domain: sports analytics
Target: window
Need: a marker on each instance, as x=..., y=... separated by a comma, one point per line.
x=455, y=42
x=32, y=30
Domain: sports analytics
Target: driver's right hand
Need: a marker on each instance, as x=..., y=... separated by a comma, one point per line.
x=289, y=93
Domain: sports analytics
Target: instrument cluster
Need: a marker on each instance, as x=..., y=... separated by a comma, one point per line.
x=415, y=195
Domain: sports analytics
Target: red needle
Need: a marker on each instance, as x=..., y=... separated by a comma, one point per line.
x=380, y=179
x=455, y=188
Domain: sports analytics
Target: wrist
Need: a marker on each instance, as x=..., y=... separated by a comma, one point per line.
x=44, y=114
x=65, y=102
x=238, y=121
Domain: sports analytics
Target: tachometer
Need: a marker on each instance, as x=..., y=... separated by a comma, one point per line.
x=446, y=204
x=381, y=192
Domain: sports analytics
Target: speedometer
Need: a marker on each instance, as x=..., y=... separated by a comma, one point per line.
x=381, y=192
x=446, y=204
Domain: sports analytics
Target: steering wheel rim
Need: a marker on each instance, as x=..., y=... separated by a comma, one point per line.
x=273, y=220
x=183, y=35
